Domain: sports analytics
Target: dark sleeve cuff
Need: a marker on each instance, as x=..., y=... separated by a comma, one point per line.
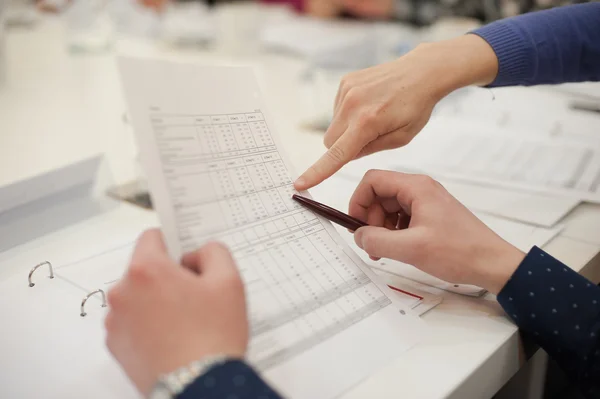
x=516, y=54
x=233, y=379
x=560, y=309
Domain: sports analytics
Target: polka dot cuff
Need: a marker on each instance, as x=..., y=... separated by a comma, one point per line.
x=560, y=309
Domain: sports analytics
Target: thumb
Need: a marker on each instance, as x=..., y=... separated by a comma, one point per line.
x=380, y=242
x=212, y=259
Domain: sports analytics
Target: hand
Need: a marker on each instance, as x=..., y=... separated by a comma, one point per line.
x=376, y=9
x=385, y=106
x=164, y=316
x=154, y=4
x=323, y=8
x=443, y=238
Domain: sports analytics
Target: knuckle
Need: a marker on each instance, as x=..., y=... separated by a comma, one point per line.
x=234, y=281
x=353, y=98
x=140, y=272
x=148, y=234
x=402, y=139
x=373, y=174
x=426, y=182
x=346, y=82
x=367, y=118
x=215, y=246
x=328, y=140
x=369, y=244
x=336, y=154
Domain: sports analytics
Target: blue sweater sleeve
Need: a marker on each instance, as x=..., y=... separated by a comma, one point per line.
x=233, y=379
x=547, y=47
x=560, y=310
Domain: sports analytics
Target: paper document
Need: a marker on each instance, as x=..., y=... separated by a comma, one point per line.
x=540, y=209
x=529, y=164
x=422, y=298
x=543, y=210
x=217, y=172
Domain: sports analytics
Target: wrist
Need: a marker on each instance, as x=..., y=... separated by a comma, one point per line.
x=496, y=266
x=172, y=384
x=456, y=63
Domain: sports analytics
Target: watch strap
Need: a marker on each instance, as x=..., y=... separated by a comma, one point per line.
x=178, y=380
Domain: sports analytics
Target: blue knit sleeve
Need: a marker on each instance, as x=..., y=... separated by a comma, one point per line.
x=547, y=47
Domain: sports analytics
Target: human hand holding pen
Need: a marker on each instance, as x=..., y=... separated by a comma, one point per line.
x=386, y=106
x=443, y=238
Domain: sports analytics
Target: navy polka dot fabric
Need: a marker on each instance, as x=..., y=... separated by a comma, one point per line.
x=560, y=309
x=231, y=380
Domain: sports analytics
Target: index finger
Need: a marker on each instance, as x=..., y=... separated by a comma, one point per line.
x=381, y=184
x=345, y=149
x=149, y=247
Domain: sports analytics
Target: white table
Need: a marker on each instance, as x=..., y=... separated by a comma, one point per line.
x=58, y=108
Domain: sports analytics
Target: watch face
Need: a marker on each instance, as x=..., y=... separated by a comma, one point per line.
x=161, y=391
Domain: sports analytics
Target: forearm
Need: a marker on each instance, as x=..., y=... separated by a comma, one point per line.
x=456, y=63
x=552, y=46
x=561, y=311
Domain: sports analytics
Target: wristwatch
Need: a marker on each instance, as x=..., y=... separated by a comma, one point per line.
x=172, y=384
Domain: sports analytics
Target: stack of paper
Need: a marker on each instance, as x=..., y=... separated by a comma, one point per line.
x=451, y=148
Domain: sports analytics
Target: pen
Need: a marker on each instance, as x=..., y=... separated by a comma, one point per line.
x=330, y=214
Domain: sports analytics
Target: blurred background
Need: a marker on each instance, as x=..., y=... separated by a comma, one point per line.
x=57, y=57
x=61, y=100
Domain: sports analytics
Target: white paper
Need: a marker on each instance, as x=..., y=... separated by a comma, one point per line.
x=530, y=111
x=46, y=184
x=475, y=154
x=540, y=209
x=216, y=171
x=48, y=349
x=427, y=297
x=531, y=208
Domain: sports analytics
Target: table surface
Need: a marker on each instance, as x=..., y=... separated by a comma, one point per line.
x=58, y=107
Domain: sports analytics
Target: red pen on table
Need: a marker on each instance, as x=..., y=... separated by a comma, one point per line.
x=330, y=214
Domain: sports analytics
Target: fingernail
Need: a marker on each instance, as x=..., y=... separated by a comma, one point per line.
x=300, y=182
x=358, y=238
